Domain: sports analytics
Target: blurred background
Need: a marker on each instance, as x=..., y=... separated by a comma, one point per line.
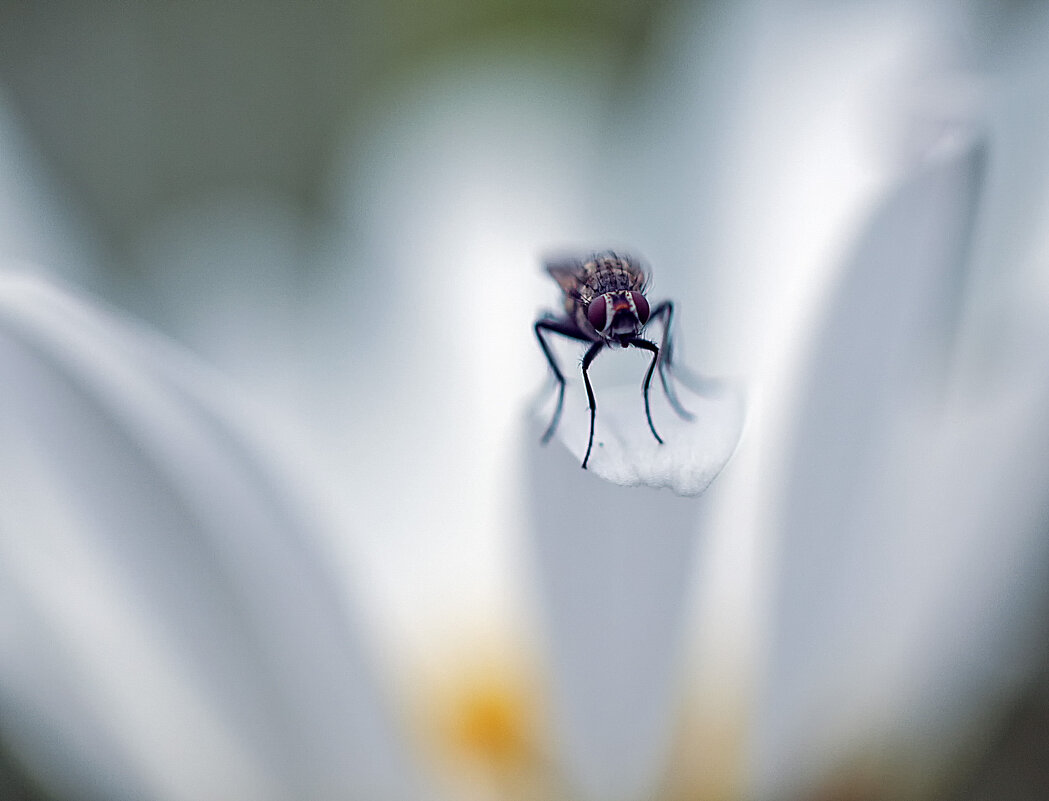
x=344, y=207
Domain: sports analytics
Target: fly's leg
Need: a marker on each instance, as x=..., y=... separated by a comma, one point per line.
x=664, y=361
x=587, y=359
x=644, y=344
x=565, y=328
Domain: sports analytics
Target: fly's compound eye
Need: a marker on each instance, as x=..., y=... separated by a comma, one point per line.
x=641, y=304
x=597, y=313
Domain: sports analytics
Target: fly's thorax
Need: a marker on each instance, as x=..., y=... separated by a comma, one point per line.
x=612, y=273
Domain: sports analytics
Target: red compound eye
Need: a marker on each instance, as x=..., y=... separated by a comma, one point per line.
x=597, y=312
x=641, y=304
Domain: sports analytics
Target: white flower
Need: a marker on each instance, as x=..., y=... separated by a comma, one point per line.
x=843, y=610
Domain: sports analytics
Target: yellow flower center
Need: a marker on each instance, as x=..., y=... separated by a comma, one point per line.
x=493, y=721
x=482, y=727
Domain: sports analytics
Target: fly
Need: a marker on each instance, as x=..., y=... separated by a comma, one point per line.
x=605, y=305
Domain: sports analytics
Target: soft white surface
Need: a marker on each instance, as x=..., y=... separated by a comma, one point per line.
x=614, y=571
x=168, y=627
x=625, y=452
x=912, y=516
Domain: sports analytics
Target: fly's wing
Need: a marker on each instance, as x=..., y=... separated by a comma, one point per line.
x=567, y=274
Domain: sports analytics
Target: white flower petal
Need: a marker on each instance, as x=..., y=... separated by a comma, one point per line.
x=625, y=452
x=168, y=628
x=909, y=499
x=615, y=566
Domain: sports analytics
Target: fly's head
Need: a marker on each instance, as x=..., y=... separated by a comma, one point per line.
x=618, y=316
